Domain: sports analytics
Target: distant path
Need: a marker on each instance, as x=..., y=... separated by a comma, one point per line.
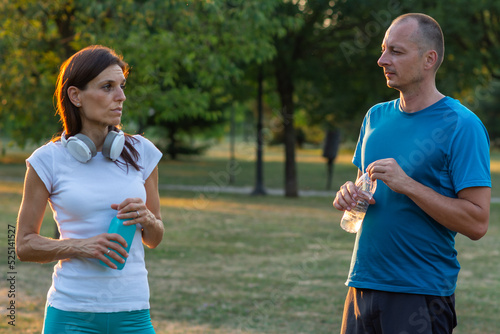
x=248, y=190
x=232, y=190
x=242, y=190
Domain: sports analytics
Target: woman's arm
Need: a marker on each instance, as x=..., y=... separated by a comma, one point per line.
x=147, y=214
x=152, y=233
x=32, y=247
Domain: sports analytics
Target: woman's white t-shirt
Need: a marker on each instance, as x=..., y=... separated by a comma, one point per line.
x=81, y=195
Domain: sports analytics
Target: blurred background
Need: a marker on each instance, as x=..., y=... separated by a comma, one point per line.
x=271, y=72
x=243, y=97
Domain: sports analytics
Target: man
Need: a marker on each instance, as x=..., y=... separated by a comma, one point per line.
x=430, y=156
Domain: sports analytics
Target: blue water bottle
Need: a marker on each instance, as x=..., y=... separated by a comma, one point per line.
x=127, y=232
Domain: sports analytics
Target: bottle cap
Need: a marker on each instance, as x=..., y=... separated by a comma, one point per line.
x=367, y=185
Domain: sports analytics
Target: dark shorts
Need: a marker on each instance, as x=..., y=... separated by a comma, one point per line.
x=373, y=312
x=63, y=322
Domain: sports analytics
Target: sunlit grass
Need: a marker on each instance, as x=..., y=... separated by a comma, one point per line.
x=249, y=264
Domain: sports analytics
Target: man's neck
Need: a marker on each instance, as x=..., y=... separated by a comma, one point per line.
x=419, y=99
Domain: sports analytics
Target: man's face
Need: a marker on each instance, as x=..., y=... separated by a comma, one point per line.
x=401, y=58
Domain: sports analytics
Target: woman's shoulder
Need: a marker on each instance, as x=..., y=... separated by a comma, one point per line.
x=44, y=160
x=46, y=150
x=149, y=154
x=142, y=143
x=140, y=138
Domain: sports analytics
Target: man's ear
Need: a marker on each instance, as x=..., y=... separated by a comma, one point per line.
x=431, y=58
x=74, y=96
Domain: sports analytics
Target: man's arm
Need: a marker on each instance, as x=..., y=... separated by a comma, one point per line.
x=468, y=214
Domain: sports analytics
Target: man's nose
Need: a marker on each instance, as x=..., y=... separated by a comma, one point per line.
x=383, y=60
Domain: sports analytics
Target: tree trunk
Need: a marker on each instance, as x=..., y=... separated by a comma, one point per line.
x=172, y=145
x=286, y=89
x=232, y=135
x=259, y=163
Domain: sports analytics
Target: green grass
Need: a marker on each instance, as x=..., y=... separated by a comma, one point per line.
x=215, y=169
x=249, y=264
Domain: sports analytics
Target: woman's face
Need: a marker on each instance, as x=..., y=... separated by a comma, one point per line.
x=101, y=102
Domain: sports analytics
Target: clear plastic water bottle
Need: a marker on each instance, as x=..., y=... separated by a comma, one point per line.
x=127, y=232
x=351, y=220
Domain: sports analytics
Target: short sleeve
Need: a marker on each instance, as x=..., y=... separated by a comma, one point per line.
x=42, y=162
x=150, y=155
x=469, y=155
x=357, y=158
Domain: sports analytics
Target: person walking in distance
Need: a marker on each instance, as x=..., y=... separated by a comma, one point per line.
x=430, y=156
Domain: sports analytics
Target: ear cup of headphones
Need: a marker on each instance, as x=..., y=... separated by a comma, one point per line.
x=113, y=145
x=81, y=147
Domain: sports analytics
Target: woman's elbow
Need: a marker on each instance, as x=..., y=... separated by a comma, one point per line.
x=152, y=244
x=22, y=252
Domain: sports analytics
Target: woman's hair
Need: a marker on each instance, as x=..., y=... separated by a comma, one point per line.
x=78, y=71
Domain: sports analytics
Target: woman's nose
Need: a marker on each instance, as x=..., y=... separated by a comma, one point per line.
x=121, y=95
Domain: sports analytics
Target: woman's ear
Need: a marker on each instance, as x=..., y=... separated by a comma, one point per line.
x=74, y=96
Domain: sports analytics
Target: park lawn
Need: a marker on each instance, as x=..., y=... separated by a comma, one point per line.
x=248, y=264
x=214, y=169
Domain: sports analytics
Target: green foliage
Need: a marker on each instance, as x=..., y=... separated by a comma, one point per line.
x=185, y=55
x=28, y=57
x=487, y=103
x=195, y=59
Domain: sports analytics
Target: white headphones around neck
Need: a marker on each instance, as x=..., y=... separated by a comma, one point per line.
x=82, y=148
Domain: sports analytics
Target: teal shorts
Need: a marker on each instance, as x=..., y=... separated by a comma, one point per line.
x=63, y=322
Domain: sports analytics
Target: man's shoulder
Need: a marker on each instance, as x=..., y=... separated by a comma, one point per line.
x=455, y=105
x=456, y=111
x=383, y=108
x=392, y=104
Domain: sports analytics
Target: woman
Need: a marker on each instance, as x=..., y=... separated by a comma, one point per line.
x=90, y=174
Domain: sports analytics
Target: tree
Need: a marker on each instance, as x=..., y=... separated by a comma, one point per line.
x=185, y=55
x=487, y=103
x=259, y=188
x=326, y=65
x=195, y=53
x=29, y=57
x=310, y=47
x=188, y=57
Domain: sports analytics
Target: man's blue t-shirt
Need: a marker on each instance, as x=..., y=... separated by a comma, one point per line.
x=400, y=248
